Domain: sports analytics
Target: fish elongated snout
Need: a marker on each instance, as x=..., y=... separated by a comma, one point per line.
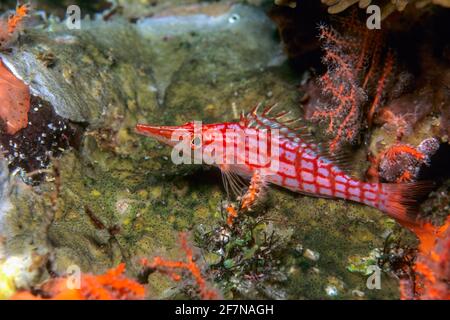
x=165, y=134
x=147, y=130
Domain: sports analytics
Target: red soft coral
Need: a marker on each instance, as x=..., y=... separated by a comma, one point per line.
x=190, y=268
x=9, y=28
x=431, y=276
x=15, y=98
x=112, y=285
x=402, y=162
x=353, y=79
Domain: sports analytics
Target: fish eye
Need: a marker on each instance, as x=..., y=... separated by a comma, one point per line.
x=196, y=142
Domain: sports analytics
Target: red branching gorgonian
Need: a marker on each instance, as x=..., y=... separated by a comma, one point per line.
x=353, y=86
x=9, y=28
x=113, y=285
x=180, y=270
x=431, y=277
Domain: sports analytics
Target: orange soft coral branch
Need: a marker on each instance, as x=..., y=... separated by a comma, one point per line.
x=387, y=70
x=9, y=28
x=167, y=266
x=254, y=191
x=232, y=215
x=15, y=19
x=348, y=105
x=399, y=163
x=112, y=285
x=428, y=234
x=375, y=41
x=344, y=68
x=249, y=199
x=365, y=49
x=331, y=36
x=351, y=117
x=432, y=267
x=121, y=286
x=396, y=150
x=15, y=101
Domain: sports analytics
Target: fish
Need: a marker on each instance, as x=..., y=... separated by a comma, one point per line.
x=303, y=165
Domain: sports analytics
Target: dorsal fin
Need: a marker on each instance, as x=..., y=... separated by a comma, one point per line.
x=293, y=127
x=289, y=126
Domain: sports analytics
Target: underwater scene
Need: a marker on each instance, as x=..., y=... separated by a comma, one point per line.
x=225, y=150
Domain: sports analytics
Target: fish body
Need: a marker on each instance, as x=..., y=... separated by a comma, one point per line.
x=301, y=164
x=303, y=169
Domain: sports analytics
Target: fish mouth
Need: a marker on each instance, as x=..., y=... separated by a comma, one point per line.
x=163, y=133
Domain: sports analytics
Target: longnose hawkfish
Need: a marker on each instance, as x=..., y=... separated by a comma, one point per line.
x=304, y=166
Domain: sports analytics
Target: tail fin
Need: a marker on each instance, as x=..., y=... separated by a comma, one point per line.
x=402, y=200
